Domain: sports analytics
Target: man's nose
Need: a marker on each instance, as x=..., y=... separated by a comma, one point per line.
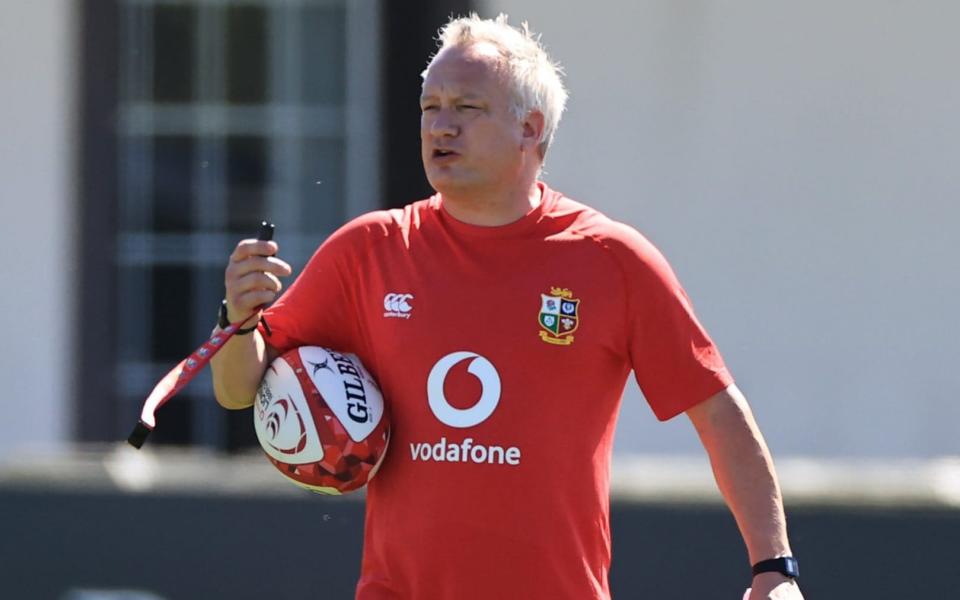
x=444, y=125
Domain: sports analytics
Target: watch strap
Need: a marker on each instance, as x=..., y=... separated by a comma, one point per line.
x=223, y=322
x=786, y=565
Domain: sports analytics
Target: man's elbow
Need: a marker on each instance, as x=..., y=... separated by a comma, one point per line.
x=722, y=410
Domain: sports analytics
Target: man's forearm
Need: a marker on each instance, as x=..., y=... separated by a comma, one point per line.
x=238, y=368
x=744, y=472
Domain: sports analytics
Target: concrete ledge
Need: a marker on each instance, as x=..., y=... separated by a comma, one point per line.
x=165, y=470
x=672, y=479
x=894, y=482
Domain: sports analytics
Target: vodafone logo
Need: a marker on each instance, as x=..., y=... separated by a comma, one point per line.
x=479, y=367
x=467, y=450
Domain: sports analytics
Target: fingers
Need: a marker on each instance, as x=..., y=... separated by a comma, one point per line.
x=251, y=247
x=246, y=295
x=258, y=264
x=252, y=277
x=247, y=305
x=257, y=280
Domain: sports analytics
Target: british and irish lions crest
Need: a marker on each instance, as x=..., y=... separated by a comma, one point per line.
x=559, y=316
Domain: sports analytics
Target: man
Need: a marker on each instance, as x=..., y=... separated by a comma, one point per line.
x=501, y=289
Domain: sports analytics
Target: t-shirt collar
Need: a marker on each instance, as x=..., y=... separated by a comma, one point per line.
x=548, y=199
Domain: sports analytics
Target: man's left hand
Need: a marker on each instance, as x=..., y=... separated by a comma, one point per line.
x=773, y=586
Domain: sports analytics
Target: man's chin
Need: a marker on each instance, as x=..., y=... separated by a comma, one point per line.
x=449, y=183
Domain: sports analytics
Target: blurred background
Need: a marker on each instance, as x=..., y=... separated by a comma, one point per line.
x=798, y=164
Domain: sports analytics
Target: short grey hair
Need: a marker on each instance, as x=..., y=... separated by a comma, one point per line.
x=536, y=80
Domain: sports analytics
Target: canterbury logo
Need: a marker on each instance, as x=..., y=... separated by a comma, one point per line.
x=397, y=305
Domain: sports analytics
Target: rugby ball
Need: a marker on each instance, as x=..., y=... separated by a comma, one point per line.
x=321, y=420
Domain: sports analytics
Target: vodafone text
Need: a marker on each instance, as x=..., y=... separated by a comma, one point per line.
x=465, y=451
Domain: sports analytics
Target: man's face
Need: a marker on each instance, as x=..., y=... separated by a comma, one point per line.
x=469, y=138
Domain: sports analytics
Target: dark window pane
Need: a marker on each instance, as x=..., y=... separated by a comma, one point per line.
x=135, y=165
x=323, y=189
x=173, y=160
x=240, y=432
x=174, y=29
x=246, y=180
x=175, y=420
x=324, y=55
x=211, y=291
x=170, y=322
x=132, y=320
x=246, y=54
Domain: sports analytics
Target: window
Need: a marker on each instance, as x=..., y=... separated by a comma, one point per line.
x=229, y=112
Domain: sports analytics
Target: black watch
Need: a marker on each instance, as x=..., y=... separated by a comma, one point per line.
x=785, y=565
x=223, y=322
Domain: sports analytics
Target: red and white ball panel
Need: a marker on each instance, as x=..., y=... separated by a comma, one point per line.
x=321, y=420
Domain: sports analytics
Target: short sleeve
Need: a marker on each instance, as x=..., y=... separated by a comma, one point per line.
x=674, y=360
x=318, y=309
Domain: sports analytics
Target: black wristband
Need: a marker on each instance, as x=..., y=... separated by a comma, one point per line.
x=785, y=565
x=223, y=322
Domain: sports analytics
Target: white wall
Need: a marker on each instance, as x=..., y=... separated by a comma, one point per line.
x=37, y=95
x=799, y=164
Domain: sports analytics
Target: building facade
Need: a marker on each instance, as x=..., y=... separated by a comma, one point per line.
x=794, y=163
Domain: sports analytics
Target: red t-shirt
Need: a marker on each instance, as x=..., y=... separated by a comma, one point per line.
x=503, y=353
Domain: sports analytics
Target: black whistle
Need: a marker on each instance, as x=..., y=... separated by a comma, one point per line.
x=265, y=234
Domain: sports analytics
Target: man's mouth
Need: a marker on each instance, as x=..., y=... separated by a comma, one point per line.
x=439, y=153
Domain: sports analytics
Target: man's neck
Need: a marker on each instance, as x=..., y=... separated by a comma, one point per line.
x=494, y=208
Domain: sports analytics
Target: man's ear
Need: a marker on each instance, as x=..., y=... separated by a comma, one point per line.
x=533, y=126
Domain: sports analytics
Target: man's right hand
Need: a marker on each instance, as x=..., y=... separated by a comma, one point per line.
x=252, y=279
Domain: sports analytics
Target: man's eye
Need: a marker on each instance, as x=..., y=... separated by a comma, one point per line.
x=428, y=107
x=469, y=106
